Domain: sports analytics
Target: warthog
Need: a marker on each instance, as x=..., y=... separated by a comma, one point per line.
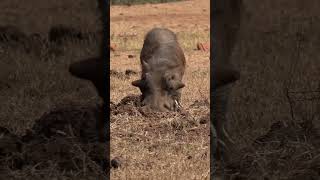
x=163, y=65
x=90, y=69
x=223, y=77
x=93, y=69
x=227, y=17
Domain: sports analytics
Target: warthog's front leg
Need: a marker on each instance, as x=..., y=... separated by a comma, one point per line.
x=225, y=145
x=226, y=24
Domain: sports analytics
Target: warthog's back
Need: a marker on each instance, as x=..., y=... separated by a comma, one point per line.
x=159, y=35
x=161, y=49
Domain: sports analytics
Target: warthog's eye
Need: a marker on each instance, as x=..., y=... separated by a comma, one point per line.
x=167, y=106
x=171, y=83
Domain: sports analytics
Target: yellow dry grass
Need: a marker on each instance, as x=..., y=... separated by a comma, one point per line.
x=168, y=147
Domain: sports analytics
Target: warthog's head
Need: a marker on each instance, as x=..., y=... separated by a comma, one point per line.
x=90, y=69
x=160, y=91
x=223, y=75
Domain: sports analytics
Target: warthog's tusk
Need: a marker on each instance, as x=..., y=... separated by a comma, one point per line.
x=177, y=104
x=61, y=132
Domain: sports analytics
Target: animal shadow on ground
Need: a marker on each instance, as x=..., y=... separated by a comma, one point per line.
x=65, y=139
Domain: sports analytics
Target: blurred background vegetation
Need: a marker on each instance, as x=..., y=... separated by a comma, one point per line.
x=131, y=2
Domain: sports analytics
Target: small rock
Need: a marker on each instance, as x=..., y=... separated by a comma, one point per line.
x=131, y=56
x=204, y=119
x=113, y=47
x=116, y=162
x=203, y=46
x=130, y=72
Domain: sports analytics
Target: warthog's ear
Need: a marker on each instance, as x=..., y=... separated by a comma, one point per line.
x=146, y=66
x=224, y=75
x=172, y=82
x=89, y=69
x=179, y=85
x=137, y=83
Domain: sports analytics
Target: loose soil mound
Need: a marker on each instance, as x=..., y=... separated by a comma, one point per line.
x=289, y=152
x=65, y=139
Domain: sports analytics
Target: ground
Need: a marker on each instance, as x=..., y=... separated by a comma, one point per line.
x=173, y=145
x=47, y=115
x=277, y=54
x=276, y=130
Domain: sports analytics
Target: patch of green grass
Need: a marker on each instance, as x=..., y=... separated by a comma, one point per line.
x=131, y=2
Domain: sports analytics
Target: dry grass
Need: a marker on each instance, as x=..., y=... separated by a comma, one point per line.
x=270, y=61
x=170, y=146
x=38, y=16
x=277, y=50
x=39, y=82
x=131, y=2
x=173, y=145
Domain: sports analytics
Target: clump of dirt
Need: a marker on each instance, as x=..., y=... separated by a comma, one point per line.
x=69, y=121
x=131, y=56
x=131, y=105
x=200, y=103
x=117, y=74
x=122, y=75
x=68, y=153
x=280, y=134
x=128, y=105
x=183, y=121
x=130, y=100
x=116, y=162
x=181, y=126
x=67, y=138
x=286, y=151
x=130, y=72
x=205, y=119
